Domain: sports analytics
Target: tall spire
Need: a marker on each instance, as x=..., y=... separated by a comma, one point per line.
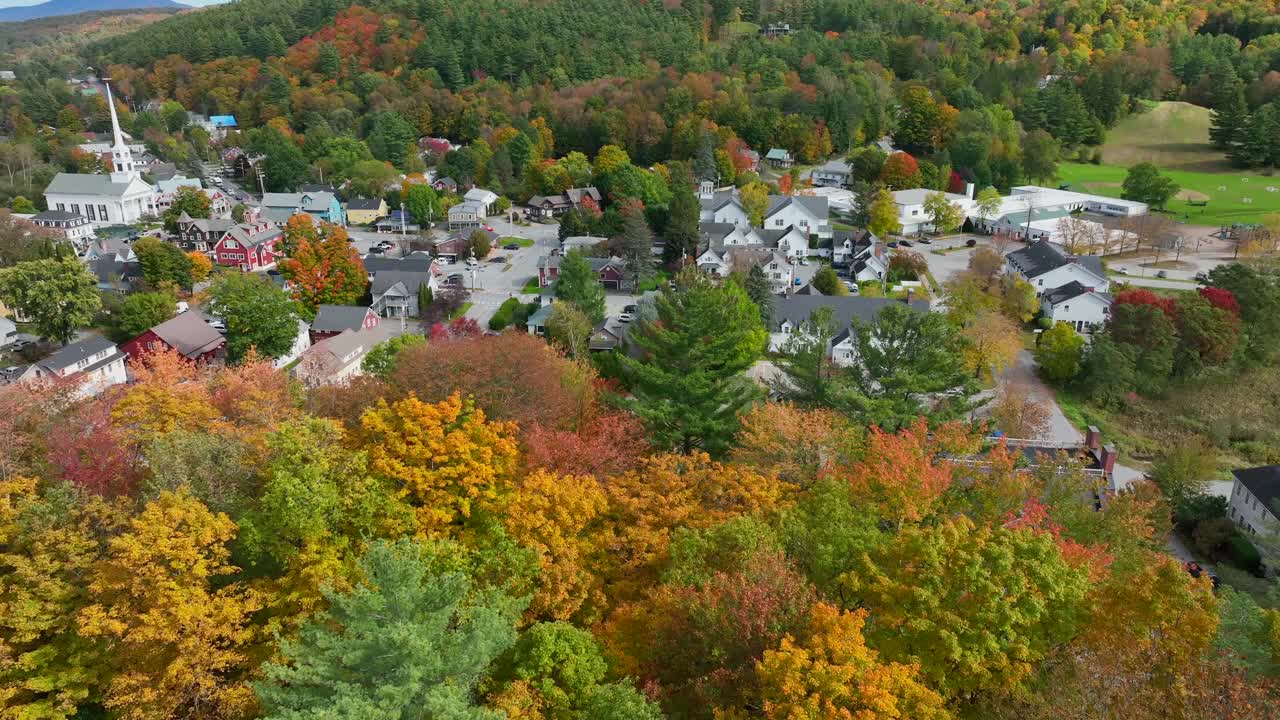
x=121, y=157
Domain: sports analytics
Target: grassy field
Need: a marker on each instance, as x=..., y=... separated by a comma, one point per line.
x=1233, y=197
x=1173, y=135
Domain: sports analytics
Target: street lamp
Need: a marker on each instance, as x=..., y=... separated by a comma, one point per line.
x=403, y=242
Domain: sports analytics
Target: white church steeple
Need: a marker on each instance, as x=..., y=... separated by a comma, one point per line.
x=122, y=168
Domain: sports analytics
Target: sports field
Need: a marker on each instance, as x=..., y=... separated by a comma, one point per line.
x=1232, y=197
x=1173, y=135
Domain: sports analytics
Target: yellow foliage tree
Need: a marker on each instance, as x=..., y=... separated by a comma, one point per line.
x=168, y=394
x=201, y=266
x=552, y=515
x=177, y=642
x=799, y=445
x=832, y=675
x=447, y=458
x=47, y=547
x=994, y=343
x=669, y=492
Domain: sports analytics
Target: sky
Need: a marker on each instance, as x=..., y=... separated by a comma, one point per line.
x=20, y=3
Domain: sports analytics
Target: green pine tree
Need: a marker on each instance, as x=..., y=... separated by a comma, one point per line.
x=758, y=289
x=409, y=642
x=578, y=285
x=1229, y=117
x=682, y=226
x=689, y=389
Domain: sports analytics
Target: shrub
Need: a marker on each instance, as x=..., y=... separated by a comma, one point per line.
x=1198, y=509
x=505, y=314
x=1212, y=534
x=1242, y=553
x=1045, y=323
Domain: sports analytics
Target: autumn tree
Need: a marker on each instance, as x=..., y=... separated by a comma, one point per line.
x=178, y=630
x=830, y=672
x=321, y=266
x=924, y=594
x=569, y=330
x=49, y=544
x=994, y=343
x=168, y=394
x=163, y=264
x=689, y=389
x=201, y=266
x=412, y=638
x=447, y=458
x=1018, y=412
x=58, y=296
x=512, y=376
x=556, y=517
x=944, y=215
x=882, y=215
x=606, y=444
x=755, y=200
x=900, y=172
x=384, y=356
x=798, y=445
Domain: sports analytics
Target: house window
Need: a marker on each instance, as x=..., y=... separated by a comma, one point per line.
x=62, y=207
x=75, y=208
x=102, y=213
x=90, y=209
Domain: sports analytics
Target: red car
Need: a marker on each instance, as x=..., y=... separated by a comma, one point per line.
x=489, y=228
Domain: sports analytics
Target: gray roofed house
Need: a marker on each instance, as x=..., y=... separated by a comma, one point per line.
x=833, y=173
x=115, y=274
x=1042, y=257
x=162, y=170
x=413, y=262
x=187, y=334
x=333, y=319
x=95, y=359
x=1255, y=505
x=790, y=313
x=364, y=203
x=1071, y=291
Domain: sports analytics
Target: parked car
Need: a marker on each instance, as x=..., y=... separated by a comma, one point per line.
x=925, y=241
x=804, y=261
x=511, y=246
x=489, y=228
x=217, y=324
x=454, y=279
x=20, y=345
x=497, y=259
x=893, y=243
x=799, y=282
x=905, y=243
x=626, y=317
x=376, y=250
x=851, y=286
x=1162, y=274
x=472, y=262
x=1121, y=270
x=1202, y=278
x=971, y=242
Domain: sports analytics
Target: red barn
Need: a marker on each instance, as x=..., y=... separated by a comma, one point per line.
x=249, y=246
x=186, y=334
x=333, y=319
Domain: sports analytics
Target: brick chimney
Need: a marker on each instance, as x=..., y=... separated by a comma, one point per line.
x=1108, y=459
x=1092, y=437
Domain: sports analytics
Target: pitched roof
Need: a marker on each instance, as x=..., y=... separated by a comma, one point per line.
x=1264, y=483
x=189, y=335
x=384, y=280
x=845, y=308
x=778, y=154
x=1071, y=291
x=481, y=195
x=834, y=165
x=471, y=206
x=718, y=200
x=336, y=318
x=364, y=204
x=307, y=200
x=816, y=205
x=206, y=225
x=57, y=216
x=75, y=352
x=412, y=263
x=916, y=196
x=576, y=195
x=80, y=184
x=251, y=236
x=1043, y=256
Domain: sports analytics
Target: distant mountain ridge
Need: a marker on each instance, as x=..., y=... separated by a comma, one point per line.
x=71, y=7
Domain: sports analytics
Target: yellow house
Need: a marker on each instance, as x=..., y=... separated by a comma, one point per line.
x=363, y=211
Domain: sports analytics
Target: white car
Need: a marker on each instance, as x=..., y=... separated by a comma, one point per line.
x=852, y=287
x=217, y=324
x=472, y=262
x=1122, y=271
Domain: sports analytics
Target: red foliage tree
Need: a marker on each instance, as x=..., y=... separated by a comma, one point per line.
x=1222, y=299
x=89, y=452
x=606, y=445
x=900, y=172
x=512, y=376
x=1146, y=297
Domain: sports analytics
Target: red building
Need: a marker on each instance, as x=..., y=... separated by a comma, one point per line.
x=611, y=272
x=186, y=334
x=249, y=246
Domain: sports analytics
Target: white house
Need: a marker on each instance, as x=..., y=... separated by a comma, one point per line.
x=911, y=213
x=74, y=228
x=337, y=359
x=866, y=257
x=8, y=331
x=721, y=263
x=722, y=207
x=807, y=212
x=120, y=198
x=95, y=361
x=1081, y=307
x=466, y=215
x=1048, y=267
x=833, y=173
x=790, y=241
x=1255, y=500
x=486, y=198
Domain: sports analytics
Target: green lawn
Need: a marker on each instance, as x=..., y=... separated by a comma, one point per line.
x=1173, y=135
x=522, y=242
x=531, y=287
x=460, y=311
x=1233, y=197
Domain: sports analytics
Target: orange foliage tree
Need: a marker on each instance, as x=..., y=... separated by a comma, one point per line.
x=322, y=267
x=800, y=446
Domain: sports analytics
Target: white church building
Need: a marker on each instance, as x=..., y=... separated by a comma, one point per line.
x=120, y=198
